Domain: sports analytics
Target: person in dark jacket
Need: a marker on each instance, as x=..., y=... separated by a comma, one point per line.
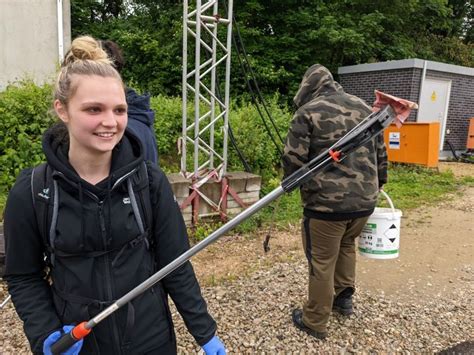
x=102, y=240
x=141, y=117
x=337, y=201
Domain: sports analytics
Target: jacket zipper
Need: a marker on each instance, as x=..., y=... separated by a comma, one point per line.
x=108, y=275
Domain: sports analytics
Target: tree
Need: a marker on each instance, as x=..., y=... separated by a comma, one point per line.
x=85, y=13
x=283, y=37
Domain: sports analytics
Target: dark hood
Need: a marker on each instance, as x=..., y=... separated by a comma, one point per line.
x=126, y=156
x=139, y=107
x=316, y=81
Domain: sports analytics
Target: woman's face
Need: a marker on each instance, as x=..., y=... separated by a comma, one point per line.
x=96, y=115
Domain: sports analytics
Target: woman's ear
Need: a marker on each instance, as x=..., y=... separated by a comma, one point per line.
x=61, y=111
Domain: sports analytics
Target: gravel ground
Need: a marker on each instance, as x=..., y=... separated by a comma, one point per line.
x=253, y=316
x=253, y=312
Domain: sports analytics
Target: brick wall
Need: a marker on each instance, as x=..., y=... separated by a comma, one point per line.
x=405, y=83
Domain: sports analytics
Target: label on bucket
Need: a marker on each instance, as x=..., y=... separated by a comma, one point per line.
x=370, y=228
x=380, y=238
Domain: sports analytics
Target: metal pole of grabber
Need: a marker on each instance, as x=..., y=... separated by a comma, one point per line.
x=366, y=130
x=5, y=302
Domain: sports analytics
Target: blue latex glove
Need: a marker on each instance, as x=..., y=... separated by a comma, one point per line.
x=54, y=337
x=214, y=347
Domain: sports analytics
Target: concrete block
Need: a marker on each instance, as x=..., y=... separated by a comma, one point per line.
x=247, y=187
x=237, y=181
x=253, y=195
x=241, y=181
x=254, y=183
x=188, y=218
x=179, y=185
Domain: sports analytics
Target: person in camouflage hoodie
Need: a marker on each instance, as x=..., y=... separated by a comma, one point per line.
x=338, y=200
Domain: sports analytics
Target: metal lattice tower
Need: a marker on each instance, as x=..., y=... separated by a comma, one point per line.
x=203, y=23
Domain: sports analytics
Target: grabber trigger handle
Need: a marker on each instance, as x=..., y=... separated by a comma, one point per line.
x=69, y=339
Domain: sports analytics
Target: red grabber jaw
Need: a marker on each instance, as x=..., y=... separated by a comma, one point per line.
x=401, y=107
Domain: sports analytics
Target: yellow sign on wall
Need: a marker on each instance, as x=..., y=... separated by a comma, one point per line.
x=433, y=96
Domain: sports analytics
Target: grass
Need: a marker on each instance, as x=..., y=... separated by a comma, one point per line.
x=409, y=187
x=468, y=180
x=413, y=186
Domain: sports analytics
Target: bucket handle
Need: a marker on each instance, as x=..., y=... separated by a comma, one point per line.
x=389, y=202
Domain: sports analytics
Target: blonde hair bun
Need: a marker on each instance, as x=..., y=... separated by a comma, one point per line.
x=86, y=48
x=85, y=57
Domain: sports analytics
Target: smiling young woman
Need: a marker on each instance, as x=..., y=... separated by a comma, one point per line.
x=108, y=222
x=96, y=118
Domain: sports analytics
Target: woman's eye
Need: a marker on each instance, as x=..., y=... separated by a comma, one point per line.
x=121, y=111
x=93, y=109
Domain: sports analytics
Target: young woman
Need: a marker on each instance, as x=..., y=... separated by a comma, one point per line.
x=101, y=239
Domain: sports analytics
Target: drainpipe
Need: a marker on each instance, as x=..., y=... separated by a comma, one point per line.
x=423, y=75
x=59, y=8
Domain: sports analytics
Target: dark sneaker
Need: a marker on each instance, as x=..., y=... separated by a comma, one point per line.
x=297, y=317
x=343, y=302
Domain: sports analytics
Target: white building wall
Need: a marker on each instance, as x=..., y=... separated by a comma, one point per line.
x=29, y=39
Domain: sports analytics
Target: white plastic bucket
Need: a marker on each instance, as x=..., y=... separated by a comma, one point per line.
x=380, y=238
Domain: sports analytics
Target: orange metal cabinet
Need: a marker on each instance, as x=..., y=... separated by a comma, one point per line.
x=414, y=142
x=470, y=135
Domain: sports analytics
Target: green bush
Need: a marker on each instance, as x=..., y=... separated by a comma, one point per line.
x=25, y=111
x=168, y=122
x=251, y=137
x=25, y=114
x=168, y=129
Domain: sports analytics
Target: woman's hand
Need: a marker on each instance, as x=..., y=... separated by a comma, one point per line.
x=54, y=337
x=214, y=347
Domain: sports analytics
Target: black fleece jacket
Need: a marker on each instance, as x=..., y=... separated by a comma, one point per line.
x=97, y=259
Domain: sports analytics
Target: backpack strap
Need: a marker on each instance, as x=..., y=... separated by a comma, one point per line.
x=43, y=190
x=147, y=206
x=145, y=196
x=145, y=199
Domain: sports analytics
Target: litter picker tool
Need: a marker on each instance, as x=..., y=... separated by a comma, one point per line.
x=5, y=302
x=388, y=109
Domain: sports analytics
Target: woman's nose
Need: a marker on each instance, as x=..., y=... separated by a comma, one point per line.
x=109, y=119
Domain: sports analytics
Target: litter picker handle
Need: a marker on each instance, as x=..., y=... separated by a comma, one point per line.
x=71, y=338
x=359, y=135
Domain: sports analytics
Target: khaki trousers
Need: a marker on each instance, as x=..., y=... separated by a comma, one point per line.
x=330, y=249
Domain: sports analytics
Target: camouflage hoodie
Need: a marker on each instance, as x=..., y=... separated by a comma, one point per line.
x=325, y=113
